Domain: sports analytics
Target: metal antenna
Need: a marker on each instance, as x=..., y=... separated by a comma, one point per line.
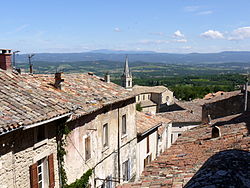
x=14, y=58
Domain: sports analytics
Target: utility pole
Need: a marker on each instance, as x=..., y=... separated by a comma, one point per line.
x=14, y=58
x=30, y=64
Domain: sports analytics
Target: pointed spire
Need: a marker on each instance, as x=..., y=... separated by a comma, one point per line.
x=126, y=71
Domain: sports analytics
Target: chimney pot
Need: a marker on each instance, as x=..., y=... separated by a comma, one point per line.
x=107, y=78
x=58, y=80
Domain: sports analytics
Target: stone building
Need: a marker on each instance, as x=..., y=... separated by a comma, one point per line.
x=28, y=131
x=212, y=162
x=102, y=128
x=184, y=116
x=153, y=137
x=100, y=116
x=152, y=99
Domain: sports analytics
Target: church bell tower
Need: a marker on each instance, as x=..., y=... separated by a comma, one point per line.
x=126, y=77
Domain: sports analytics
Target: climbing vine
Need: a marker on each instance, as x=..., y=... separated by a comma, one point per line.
x=82, y=182
x=63, y=131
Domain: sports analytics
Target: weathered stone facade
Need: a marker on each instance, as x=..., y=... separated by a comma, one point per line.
x=103, y=159
x=19, y=150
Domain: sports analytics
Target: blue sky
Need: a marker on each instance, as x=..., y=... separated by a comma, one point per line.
x=179, y=26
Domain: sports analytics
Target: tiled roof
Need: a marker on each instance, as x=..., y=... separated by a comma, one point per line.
x=87, y=92
x=22, y=103
x=27, y=99
x=147, y=89
x=221, y=96
x=182, y=116
x=176, y=166
x=146, y=121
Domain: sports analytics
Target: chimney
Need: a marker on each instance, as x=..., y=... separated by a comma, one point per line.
x=5, y=59
x=58, y=80
x=107, y=78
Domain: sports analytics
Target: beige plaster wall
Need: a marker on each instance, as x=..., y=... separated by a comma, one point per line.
x=104, y=160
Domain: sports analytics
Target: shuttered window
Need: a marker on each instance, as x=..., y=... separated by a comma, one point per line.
x=42, y=173
x=51, y=171
x=33, y=176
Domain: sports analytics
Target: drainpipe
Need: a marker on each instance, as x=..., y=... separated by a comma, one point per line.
x=118, y=149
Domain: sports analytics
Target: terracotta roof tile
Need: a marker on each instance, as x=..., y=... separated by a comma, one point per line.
x=26, y=99
x=178, y=164
x=146, y=121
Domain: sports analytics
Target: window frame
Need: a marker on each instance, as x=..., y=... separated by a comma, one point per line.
x=124, y=124
x=87, y=147
x=105, y=140
x=126, y=170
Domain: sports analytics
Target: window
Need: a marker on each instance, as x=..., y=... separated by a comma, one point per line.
x=179, y=134
x=87, y=148
x=124, y=124
x=144, y=97
x=172, y=138
x=148, y=144
x=108, y=183
x=40, y=133
x=105, y=135
x=42, y=173
x=126, y=170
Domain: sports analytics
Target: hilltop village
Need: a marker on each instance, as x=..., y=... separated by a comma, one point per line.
x=81, y=130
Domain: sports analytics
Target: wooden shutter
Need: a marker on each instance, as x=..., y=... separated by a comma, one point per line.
x=33, y=176
x=51, y=171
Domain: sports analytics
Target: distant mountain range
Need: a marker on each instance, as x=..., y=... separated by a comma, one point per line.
x=143, y=56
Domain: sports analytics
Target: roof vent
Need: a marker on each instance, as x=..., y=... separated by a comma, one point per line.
x=216, y=132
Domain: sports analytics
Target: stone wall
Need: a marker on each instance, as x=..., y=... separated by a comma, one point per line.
x=18, y=151
x=222, y=108
x=104, y=160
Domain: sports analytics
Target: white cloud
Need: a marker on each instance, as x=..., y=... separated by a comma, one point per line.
x=117, y=29
x=212, y=34
x=178, y=34
x=181, y=40
x=205, y=12
x=240, y=33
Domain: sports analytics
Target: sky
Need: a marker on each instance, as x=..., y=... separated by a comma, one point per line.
x=172, y=26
